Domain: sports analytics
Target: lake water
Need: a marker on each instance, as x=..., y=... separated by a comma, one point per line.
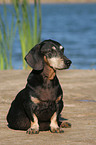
x=74, y=26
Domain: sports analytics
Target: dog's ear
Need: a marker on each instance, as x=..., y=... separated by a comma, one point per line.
x=34, y=58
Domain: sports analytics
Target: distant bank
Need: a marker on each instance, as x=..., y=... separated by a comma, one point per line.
x=55, y=1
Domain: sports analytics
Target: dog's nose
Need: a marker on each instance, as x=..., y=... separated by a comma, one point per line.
x=68, y=62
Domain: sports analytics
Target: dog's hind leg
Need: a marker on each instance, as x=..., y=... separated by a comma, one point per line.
x=65, y=124
x=18, y=121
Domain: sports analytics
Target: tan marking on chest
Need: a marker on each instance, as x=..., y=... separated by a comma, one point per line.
x=35, y=100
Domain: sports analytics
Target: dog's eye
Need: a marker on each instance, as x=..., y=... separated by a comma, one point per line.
x=62, y=50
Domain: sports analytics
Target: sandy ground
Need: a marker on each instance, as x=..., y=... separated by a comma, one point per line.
x=79, y=88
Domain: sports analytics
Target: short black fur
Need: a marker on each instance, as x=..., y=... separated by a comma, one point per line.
x=39, y=86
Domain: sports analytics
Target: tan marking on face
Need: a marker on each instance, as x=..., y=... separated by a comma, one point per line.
x=56, y=62
x=45, y=59
x=61, y=47
x=54, y=48
x=35, y=125
x=53, y=123
x=35, y=100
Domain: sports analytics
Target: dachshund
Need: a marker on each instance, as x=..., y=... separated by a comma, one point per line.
x=38, y=106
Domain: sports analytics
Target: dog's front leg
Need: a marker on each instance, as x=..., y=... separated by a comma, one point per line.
x=34, y=127
x=54, y=128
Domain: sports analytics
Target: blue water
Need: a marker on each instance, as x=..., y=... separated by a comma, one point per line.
x=74, y=26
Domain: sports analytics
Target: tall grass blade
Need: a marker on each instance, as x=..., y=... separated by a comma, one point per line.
x=35, y=22
x=28, y=29
x=7, y=34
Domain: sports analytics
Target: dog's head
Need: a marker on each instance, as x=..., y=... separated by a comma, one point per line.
x=50, y=52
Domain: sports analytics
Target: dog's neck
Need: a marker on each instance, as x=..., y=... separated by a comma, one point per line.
x=48, y=71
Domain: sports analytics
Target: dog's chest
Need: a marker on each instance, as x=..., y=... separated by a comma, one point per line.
x=47, y=89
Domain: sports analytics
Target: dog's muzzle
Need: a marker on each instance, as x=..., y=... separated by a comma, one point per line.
x=68, y=63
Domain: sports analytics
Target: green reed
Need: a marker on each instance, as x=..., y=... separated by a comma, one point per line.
x=29, y=29
x=7, y=33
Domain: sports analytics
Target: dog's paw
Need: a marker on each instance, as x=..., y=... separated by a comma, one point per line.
x=65, y=125
x=32, y=131
x=56, y=130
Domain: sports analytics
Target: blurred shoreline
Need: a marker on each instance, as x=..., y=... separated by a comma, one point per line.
x=54, y=1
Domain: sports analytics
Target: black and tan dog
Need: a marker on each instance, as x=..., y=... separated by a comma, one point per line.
x=39, y=104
